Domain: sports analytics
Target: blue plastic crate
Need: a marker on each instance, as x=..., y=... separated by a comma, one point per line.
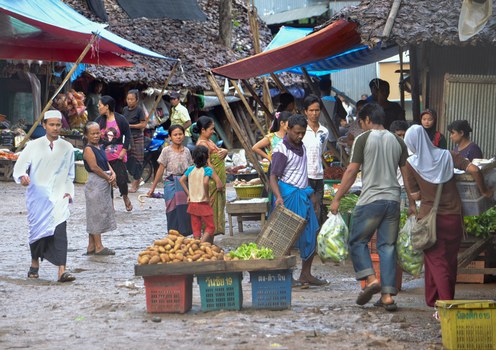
x=271, y=289
x=221, y=291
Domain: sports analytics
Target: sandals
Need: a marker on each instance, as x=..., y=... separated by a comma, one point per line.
x=89, y=252
x=105, y=251
x=315, y=282
x=367, y=293
x=33, y=272
x=388, y=307
x=66, y=277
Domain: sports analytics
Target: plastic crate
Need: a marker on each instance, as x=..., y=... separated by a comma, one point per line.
x=281, y=231
x=468, y=190
x=468, y=324
x=476, y=206
x=221, y=291
x=247, y=192
x=168, y=294
x=271, y=289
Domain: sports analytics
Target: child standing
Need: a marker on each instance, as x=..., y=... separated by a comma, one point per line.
x=199, y=208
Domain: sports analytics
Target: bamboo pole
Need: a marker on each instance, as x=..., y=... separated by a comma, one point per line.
x=248, y=107
x=255, y=96
x=279, y=83
x=50, y=101
x=327, y=117
x=237, y=129
x=242, y=116
x=162, y=92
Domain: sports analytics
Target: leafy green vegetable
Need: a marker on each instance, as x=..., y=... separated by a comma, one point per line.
x=482, y=225
x=248, y=251
x=348, y=203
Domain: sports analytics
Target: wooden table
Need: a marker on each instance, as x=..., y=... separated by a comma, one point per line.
x=247, y=210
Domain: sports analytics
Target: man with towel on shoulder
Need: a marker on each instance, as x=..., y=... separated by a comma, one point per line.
x=46, y=167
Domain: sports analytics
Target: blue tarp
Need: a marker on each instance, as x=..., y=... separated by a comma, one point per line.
x=51, y=30
x=354, y=57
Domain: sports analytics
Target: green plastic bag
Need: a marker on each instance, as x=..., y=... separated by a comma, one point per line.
x=332, y=241
x=410, y=260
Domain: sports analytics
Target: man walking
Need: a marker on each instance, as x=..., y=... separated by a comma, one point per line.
x=378, y=153
x=180, y=116
x=289, y=183
x=46, y=167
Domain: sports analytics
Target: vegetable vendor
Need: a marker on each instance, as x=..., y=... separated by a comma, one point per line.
x=289, y=183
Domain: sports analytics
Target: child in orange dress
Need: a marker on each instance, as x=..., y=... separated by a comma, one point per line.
x=199, y=208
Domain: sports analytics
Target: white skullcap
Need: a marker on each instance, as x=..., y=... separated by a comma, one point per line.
x=52, y=114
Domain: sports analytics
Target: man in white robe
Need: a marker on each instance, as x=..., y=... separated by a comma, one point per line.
x=46, y=167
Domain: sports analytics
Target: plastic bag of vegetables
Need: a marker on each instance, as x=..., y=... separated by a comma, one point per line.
x=332, y=241
x=409, y=259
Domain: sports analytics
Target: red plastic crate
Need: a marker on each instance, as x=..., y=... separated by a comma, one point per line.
x=168, y=294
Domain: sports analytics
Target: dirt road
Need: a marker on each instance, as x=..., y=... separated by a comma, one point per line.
x=105, y=307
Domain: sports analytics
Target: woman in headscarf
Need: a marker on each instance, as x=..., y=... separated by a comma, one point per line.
x=428, y=167
x=428, y=118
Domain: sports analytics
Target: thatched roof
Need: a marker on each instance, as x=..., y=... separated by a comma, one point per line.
x=420, y=21
x=196, y=44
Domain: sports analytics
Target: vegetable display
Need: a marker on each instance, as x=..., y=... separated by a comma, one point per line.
x=249, y=251
x=409, y=259
x=332, y=241
x=175, y=248
x=482, y=225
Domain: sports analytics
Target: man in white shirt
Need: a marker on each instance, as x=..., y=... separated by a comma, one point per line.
x=180, y=116
x=315, y=140
x=46, y=167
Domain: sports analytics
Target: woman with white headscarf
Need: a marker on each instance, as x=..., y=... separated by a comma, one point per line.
x=427, y=167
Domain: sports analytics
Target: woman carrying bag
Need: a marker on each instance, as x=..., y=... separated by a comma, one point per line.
x=427, y=168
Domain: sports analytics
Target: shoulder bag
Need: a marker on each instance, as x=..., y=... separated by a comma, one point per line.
x=424, y=231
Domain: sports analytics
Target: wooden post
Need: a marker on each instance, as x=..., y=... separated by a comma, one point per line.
x=414, y=80
x=237, y=129
x=242, y=116
x=255, y=96
x=248, y=107
x=402, y=87
x=50, y=101
x=159, y=97
x=327, y=117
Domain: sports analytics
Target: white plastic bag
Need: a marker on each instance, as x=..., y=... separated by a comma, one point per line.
x=409, y=259
x=332, y=241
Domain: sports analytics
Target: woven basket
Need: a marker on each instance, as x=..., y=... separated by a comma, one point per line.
x=247, y=192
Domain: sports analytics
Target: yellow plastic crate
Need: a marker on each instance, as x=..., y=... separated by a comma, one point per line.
x=468, y=324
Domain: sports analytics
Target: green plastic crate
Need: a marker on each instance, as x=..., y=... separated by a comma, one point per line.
x=221, y=291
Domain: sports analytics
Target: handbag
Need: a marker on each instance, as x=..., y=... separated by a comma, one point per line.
x=424, y=230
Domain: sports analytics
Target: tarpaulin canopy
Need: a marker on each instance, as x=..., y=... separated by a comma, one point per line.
x=49, y=30
x=329, y=50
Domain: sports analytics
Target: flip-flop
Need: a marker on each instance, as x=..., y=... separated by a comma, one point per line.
x=89, y=252
x=367, y=293
x=105, y=251
x=66, y=277
x=316, y=282
x=33, y=272
x=388, y=307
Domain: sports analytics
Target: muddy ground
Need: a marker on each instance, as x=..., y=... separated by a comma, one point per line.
x=105, y=307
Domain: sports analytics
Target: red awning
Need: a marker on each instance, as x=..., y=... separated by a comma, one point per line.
x=333, y=39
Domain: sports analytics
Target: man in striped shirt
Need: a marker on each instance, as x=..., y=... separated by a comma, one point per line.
x=289, y=183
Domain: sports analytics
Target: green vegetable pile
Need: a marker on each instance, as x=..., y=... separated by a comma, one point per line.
x=409, y=259
x=482, y=225
x=332, y=241
x=251, y=251
x=348, y=203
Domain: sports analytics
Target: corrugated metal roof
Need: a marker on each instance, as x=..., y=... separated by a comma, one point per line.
x=296, y=14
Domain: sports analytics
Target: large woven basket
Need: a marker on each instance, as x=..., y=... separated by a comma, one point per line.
x=281, y=231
